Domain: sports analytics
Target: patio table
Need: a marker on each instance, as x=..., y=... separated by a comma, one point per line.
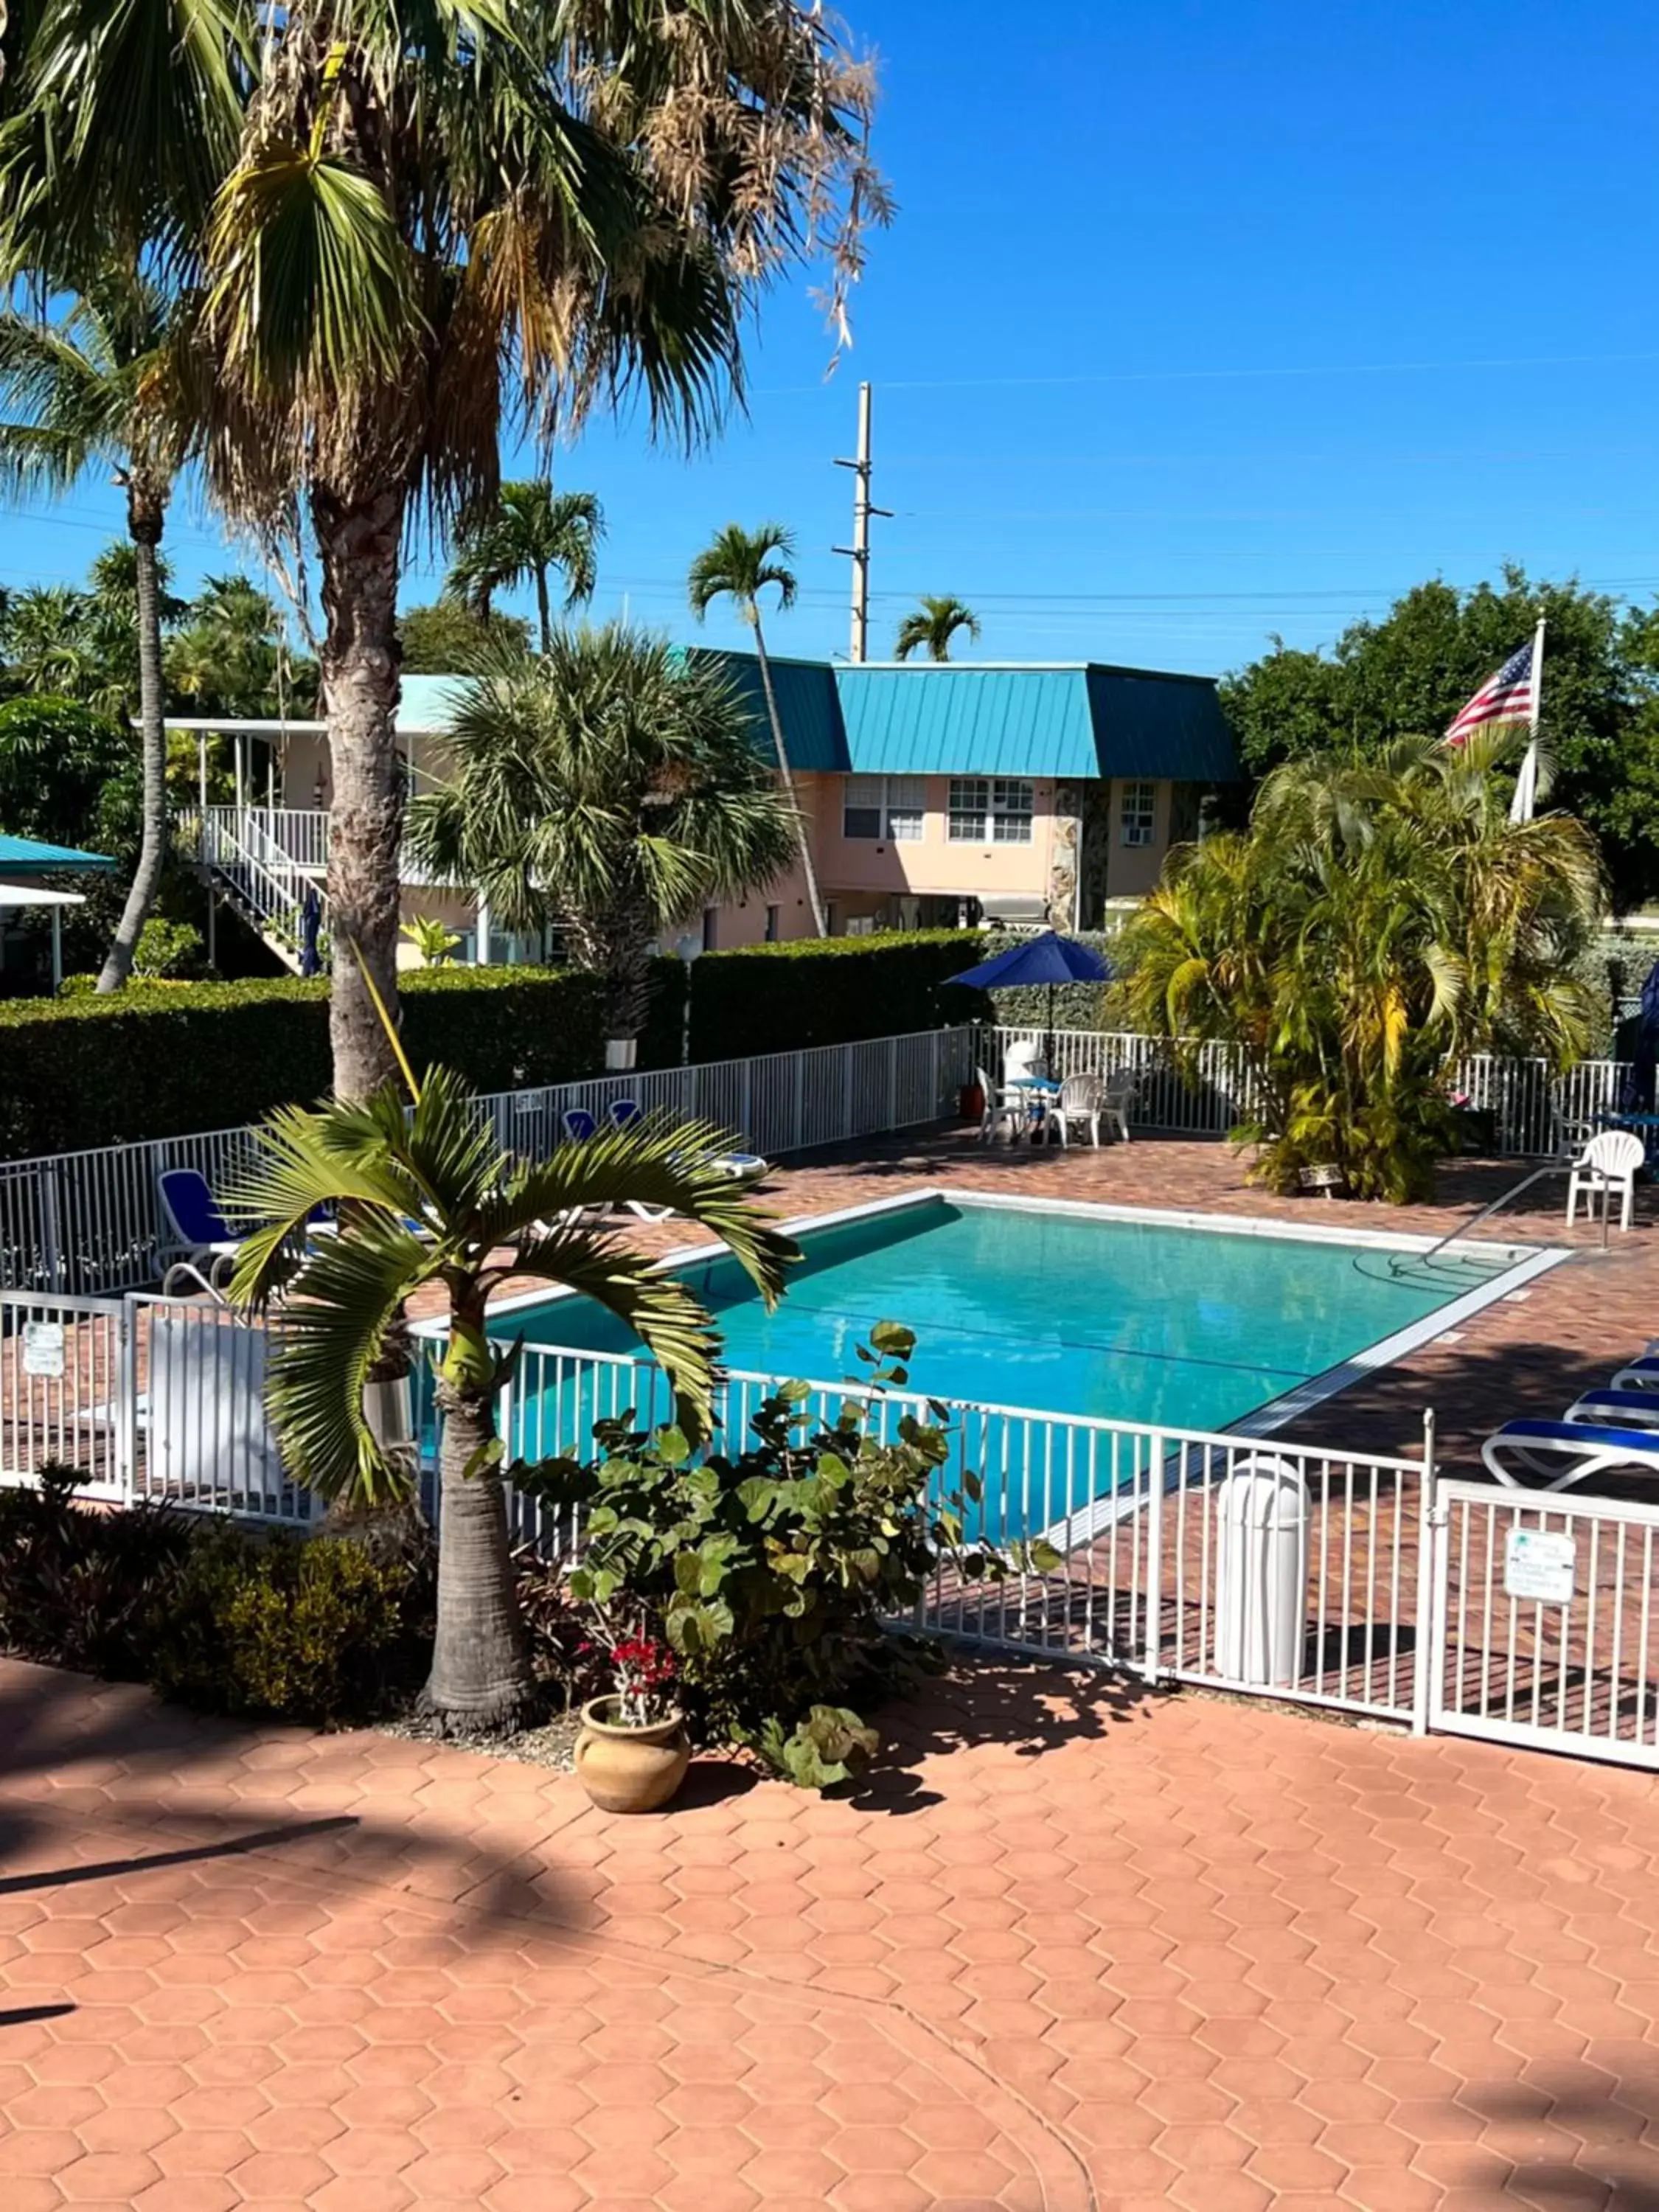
x=1033, y=1093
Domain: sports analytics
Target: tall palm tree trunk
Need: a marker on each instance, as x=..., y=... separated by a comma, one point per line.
x=814, y=899
x=481, y=1674
x=544, y=609
x=359, y=542
x=146, y=515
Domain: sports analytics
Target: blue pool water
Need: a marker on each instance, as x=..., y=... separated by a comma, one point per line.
x=1136, y=1321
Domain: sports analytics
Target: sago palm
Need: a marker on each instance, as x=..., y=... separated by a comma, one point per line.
x=528, y=531
x=427, y=1197
x=932, y=626
x=611, y=787
x=739, y=565
x=106, y=386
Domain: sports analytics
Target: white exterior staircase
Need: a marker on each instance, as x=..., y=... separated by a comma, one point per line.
x=265, y=859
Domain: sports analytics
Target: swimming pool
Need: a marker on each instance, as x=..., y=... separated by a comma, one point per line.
x=1107, y=1312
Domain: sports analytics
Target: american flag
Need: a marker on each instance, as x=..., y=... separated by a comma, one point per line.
x=1511, y=696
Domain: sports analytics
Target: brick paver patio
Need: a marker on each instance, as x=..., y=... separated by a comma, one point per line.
x=1071, y=1946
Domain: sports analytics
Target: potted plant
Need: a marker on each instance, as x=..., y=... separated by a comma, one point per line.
x=633, y=1751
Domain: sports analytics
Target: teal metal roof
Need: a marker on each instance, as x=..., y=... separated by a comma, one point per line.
x=27, y=856
x=1154, y=726
x=808, y=707
x=942, y=721
x=1087, y=720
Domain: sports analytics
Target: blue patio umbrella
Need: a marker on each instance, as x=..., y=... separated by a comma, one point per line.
x=1636, y=1092
x=310, y=920
x=1049, y=958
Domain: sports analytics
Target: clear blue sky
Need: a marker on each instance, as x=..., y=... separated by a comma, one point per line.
x=1172, y=338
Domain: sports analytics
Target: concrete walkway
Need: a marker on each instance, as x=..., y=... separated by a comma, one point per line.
x=1071, y=1947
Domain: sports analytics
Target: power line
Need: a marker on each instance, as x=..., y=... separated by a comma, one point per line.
x=1237, y=375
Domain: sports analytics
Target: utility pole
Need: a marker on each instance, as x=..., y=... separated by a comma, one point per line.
x=858, y=551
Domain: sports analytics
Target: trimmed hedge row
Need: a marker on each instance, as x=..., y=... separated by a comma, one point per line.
x=830, y=990
x=160, y=1063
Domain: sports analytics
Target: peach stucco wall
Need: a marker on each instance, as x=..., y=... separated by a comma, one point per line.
x=934, y=863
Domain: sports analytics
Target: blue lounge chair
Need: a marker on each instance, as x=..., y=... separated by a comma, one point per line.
x=578, y=1124
x=1614, y=1408
x=204, y=1240
x=1557, y=1455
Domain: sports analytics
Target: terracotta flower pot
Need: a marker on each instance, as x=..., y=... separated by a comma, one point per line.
x=634, y=1769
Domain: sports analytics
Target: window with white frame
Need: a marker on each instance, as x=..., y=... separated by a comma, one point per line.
x=890, y=807
x=991, y=809
x=1138, y=813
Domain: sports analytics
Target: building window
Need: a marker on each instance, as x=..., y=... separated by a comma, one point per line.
x=771, y=925
x=1139, y=813
x=710, y=923
x=990, y=811
x=874, y=807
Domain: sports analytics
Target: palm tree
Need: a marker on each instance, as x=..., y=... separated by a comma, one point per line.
x=230, y=654
x=104, y=386
x=427, y=1197
x=932, y=625
x=414, y=228
x=1379, y=918
x=741, y=564
x=608, y=786
x=48, y=643
x=528, y=531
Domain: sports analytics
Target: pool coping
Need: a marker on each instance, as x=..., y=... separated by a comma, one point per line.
x=1527, y=1263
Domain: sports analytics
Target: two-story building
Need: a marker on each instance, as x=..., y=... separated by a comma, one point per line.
x=934, y=795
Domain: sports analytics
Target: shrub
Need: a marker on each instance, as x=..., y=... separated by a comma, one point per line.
x=830, y=990
x=305, y=1629
x=78, y=1585
x=770, y=1573
x=320, y=1629
x=1076, y=1005
x=148, y=1062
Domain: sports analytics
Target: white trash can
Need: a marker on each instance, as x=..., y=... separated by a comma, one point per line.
x=1261, y=1572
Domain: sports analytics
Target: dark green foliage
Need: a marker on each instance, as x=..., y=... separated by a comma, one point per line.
x=1408, y=674
x=448, y=637
x=77, y=1586
x=770, y=1571
x=157, y=1063
x=56, y=756
x=661, y=1042
x=830, y=990
x=304, y=1629
x=321, y=1630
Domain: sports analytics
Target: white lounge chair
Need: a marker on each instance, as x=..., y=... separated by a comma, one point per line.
x=1080, y=1100
x=1557, y=1455
x=1608, y=1165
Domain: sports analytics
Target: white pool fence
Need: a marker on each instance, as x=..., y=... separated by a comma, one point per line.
x=90, y=1222
x=1360, y=1582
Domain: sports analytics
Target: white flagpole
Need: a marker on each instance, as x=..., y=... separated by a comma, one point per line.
x=1524, y=804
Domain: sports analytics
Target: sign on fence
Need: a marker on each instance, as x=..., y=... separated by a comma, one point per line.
x=1540, y=1566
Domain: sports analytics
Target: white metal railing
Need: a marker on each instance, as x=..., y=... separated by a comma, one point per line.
x=300, y=834
x=90, y=1222
x=1535, y=1113
x=1570, y=1666
x=1133, y=1510
x=275, y=885
x=1399, y=1600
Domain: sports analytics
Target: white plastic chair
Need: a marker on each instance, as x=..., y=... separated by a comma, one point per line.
x=1000, y=1106
x=1024, y=1058
x=1079, y=1100
x=1115, y=1100
x=1608, y=1165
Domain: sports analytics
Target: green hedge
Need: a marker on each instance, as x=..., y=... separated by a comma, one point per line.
x=160, y=1062
x=830, y=990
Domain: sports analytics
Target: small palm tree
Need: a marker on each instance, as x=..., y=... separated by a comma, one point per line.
x=608, y=787
x=429, y=1197
x=48, y=642
x=740, y=565
x=105, y=385
x=932, y=626
x=523, y=536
